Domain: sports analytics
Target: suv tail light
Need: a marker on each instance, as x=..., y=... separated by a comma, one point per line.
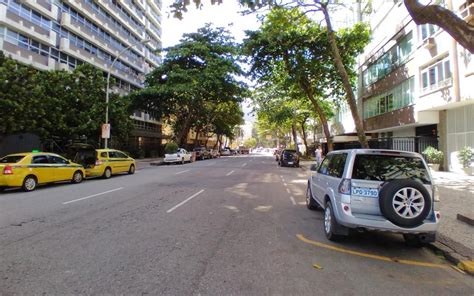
x=98, y=162
x=8, y=170
x=345, y=186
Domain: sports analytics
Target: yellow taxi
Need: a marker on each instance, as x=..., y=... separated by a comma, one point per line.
x=28, y=170
x=105, y=162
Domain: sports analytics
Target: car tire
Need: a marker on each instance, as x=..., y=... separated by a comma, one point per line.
x=2, y=188
x=405, y=203
x=297, y=165
x=29, y=183
x=107, y=173
x=330, y=223
x=311, y=204
x=182, y=160
x=131, y=170
x=77, y=177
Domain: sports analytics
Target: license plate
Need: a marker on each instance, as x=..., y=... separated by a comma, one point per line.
x=365, y=191
x=290, y=162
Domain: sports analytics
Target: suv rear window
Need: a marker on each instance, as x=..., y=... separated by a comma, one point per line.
x=11, y=159
x=388, y=167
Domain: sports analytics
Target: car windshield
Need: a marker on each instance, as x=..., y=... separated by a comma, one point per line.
x=388, y=167
x=12, y=158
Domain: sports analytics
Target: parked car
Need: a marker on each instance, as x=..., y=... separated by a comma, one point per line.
x=105, y=162
x=225, y=152
x=28, y=170
x=214, y=153
x=202, y=153
x=289, y=157
x=370, y=189
x=180, y=156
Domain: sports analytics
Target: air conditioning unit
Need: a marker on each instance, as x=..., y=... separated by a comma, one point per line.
x=429, y=43
x=467, y=11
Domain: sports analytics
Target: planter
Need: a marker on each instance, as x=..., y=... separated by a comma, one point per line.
x=469, y=171
x=434, y=166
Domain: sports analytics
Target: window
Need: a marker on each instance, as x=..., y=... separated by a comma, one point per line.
x=323, y=168
x=428, y=30
x=40, y=159
x=386, y=167
x=57, y=160
x=436, y=76
x=337, y=164
x=398, y=97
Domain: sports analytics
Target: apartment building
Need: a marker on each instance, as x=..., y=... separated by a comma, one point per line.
x=61, y=34
x=415, y=88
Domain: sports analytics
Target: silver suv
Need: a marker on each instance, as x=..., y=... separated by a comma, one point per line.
x=367, y=189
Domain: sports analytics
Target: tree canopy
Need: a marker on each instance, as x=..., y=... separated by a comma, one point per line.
x=58, y=104
x=197, y=84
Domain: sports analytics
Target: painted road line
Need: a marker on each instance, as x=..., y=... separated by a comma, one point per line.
x=368, y=255
x=283, y=179
x=93, y=195
x=293, y=200
x=185, y=201
x=229, y=173
x=182, y=172
x=288, y=190
x=244, y=164
x=211, y=163
x=285, y=184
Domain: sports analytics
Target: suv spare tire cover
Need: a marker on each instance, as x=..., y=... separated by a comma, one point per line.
x=391, y=195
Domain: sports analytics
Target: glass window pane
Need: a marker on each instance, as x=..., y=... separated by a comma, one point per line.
x=447, y=70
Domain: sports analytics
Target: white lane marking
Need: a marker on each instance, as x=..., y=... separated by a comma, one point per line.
x=283, y=179
x=288, y=190
x=185, y=201
x=244, y=164
x=93, y=195
x=211, y=163
x=285, y=184
x=182, y=172
x=293, y=200
x=229, y=173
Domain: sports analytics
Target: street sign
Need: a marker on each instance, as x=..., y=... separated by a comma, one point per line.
x=105, y=130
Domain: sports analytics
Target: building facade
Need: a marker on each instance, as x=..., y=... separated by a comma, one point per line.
x=415, y=87
x=61, y=34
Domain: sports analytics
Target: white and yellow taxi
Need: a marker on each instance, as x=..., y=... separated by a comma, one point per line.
x=28, y=170
x=106, y=162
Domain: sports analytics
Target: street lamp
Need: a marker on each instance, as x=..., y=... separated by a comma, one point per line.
x=108, y=82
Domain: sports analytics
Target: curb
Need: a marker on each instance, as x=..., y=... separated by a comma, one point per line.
x=465, y=219
x=452, y=256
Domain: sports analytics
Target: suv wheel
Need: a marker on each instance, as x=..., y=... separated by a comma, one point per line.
x=330, y=223
x=310, y=202
x=405, y=203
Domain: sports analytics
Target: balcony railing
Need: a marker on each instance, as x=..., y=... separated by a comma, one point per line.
x=412, y=144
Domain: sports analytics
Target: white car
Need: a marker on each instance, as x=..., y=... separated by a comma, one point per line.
x=181, y=156
x=225, y=152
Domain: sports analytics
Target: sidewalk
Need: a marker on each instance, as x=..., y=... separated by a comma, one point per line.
x=455, y=238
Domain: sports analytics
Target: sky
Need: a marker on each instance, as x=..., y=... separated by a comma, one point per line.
x=224, y=15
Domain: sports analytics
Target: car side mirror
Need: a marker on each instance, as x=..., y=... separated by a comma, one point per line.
x=314, y=167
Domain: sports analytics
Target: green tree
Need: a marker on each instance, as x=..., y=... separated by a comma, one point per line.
x=197, y=75
x=59, y=104
x=250, y=143
x=290, y=42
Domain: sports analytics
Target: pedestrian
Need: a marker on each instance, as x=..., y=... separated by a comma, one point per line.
x=318, y=154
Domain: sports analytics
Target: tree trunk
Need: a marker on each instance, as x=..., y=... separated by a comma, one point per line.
x=444, y=18
x=295, y=136
x=351, y=100
x=183, y=133
x=321, y=115
x=196, y=138
x=303, y=134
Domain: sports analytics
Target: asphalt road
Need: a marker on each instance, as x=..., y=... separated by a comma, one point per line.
x=228, y=226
